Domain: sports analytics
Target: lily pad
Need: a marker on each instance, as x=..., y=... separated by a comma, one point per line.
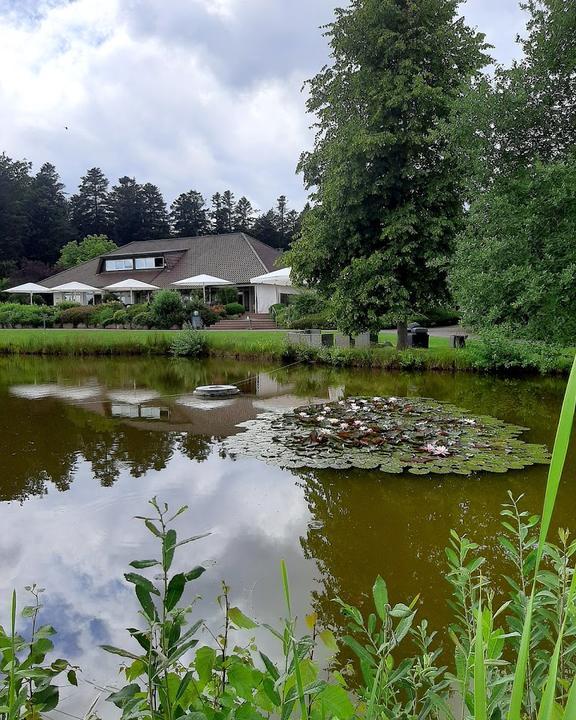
x=395, y=435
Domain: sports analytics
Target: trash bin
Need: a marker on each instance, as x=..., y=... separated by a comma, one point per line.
x=418, y=337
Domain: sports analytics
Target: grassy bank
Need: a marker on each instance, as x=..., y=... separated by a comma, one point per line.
x=487, y=355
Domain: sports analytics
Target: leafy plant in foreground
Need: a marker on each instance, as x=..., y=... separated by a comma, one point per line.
x=27, y=681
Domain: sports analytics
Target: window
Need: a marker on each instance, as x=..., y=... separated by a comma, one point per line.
x=149, y=263
x=122, y=264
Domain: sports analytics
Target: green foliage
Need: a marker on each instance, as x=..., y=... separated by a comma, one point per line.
x=74, y=252
x=167, y=309
x=143, y=319
x=80, y=315
x=33, y=316
x=516, y=261
x=208, y=315
x=227, y=295
x=234, y=308
x=495, y=350
x=318, y=321
x=386, y=176
x=189, y=343
x=120, y=317
x=28, y=686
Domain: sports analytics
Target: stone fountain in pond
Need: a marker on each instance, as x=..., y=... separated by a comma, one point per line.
x=216, y=391
x=393, y=435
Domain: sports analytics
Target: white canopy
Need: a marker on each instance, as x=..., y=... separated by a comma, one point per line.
x=131, y=285
x=75, y=287
x=277, y=277
x=201, y=281
x=28, y=289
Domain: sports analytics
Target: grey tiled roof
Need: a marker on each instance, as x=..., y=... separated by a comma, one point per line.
x=236, y=257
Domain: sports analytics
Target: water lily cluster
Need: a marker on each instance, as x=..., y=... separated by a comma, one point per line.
x=392, y=434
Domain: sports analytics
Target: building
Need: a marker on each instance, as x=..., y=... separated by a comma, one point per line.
x=235, y=257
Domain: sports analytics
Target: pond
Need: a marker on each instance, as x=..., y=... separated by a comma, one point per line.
x=87, y=442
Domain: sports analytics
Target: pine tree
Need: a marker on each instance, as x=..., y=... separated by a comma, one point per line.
x=281, y=210
x=154, y=213
x=188, y=215
x=265, y=229
x=386, y=181
x=243, y=219
x=48, y=226
x=221, y=213
x=228, y=206
x=15, y=183
x=90, y=212
x=127, y=211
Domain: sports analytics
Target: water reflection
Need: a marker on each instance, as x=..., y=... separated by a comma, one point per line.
x=134, y=428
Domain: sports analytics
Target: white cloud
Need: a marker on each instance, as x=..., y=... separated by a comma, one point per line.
x=183, y=93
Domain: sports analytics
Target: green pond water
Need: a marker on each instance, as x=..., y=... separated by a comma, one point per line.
x=86, y=442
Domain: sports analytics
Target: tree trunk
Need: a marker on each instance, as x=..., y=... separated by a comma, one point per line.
x=402, y=342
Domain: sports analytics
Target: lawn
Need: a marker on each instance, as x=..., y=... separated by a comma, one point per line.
x=510, y=357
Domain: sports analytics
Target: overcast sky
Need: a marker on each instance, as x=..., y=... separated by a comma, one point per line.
x=202, y=94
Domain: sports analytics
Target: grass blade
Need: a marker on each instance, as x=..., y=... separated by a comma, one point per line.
x=561, y=443
x=546, y=711
x=480, y=709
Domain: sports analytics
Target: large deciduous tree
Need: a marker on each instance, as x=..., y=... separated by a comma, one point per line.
x=74, y=252
x=516, y=262
x=189, y=215
x=385, y=181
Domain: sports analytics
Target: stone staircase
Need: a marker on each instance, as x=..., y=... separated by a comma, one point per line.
x=258, y=321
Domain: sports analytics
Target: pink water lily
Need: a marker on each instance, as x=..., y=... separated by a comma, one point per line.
x=437, y=450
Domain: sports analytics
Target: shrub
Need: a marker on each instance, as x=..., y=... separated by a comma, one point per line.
x=234, y=308
x=219, y=310
x=167, y=309
x=143, y=319
x=82, y=314
x=189, y=343
x=495, y=350
x=227, y=295
x=66, y=304
x=32, y=316
x=209, y=317
x=106, y=311
x=319, y=321
x=120, y=317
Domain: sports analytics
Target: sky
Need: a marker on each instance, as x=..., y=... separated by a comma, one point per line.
x=187, y=94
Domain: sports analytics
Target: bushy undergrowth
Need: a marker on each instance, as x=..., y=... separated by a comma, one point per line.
x=189, y=343
x=496, y=350
x=234, y=308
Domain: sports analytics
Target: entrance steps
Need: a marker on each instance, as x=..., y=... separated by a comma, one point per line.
x=257, y=321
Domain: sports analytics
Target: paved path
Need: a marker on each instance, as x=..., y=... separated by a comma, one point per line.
x=443, y=332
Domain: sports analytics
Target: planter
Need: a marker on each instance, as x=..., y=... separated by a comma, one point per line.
x=68, y=326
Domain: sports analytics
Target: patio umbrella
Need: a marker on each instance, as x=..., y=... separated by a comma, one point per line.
x=131, y=286
x=277, y=277
x=202, y=281
x=75, y=287
x=29, y=289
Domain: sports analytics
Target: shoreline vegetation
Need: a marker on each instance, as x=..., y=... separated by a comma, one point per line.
x=490, y=353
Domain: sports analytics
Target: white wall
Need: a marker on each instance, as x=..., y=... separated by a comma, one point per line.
x=267, y=295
